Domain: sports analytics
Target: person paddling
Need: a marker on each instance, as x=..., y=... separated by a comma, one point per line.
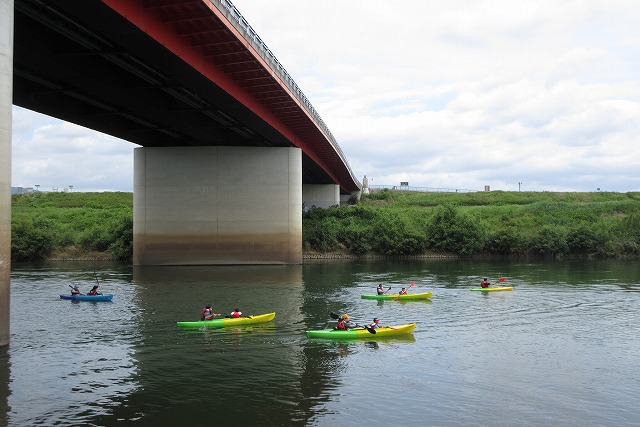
x=380, y=289
x=344, y=324
x=207, y=313
x=75, y=290
x=236, y=313
x=403, y=291
x=376, y=324
x=485, y=283
x=94, y=291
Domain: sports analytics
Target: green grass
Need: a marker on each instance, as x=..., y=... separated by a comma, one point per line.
x=390, y=223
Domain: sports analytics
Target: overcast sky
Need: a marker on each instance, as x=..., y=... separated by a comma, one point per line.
x=442, y=94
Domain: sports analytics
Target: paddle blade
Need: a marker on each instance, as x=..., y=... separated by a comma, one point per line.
x=371, y=331
x=501, y=280
x=334, y=315
x=412, y=284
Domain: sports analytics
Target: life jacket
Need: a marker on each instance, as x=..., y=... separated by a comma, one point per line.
x=236, y=314
x=93, y=292
x=340, y=326
x=206, y=312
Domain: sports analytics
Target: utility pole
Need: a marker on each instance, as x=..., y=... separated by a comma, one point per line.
x=519, y=184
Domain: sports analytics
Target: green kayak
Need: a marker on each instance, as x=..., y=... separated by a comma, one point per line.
x=361, y=333
x=223, y=322
x=396, y=297
x=501, y=288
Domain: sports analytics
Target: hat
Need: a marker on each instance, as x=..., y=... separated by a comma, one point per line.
x=344, y=316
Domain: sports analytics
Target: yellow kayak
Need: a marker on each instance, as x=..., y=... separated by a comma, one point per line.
x=396, y=297
x=222, y=322
x=362, y=333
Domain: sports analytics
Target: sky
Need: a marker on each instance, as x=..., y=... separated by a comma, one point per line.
x=461, y=94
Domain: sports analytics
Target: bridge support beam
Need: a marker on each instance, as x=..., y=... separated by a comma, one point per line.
x=320, y=195
x=6, y=101
x=217, y=205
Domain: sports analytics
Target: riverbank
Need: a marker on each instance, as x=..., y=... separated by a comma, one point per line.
x=99, y=226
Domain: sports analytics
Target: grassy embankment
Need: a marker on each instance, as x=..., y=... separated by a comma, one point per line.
x=486, y=223
x=71, y=225
x=85, y=225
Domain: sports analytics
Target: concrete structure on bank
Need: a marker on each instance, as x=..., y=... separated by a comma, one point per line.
x=6, y=89
x=218, y=205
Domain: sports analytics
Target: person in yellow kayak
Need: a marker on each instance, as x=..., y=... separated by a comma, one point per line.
x=207, y=313
x=344, y=323
x=485, y=283
x=403, y=291
x=236, y=313
x=376, y=324
x=380, y=289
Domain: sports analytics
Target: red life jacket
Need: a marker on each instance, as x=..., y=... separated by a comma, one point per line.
x=340, y=325
x=236, y=314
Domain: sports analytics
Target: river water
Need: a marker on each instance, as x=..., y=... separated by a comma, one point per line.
x=562, y=348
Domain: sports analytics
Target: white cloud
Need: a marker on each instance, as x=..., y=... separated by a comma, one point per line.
x=457, y=94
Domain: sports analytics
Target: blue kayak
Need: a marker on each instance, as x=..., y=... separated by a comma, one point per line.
x=105, y=297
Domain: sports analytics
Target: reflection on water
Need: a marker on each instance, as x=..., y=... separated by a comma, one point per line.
x=560, y=349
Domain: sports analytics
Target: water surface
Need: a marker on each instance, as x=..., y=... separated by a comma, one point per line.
x=560, y=349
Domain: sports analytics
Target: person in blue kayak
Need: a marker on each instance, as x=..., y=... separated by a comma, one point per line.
x=485, y=283
x=344, y=323
x=94, y=291
x=207, y=313
x=75, y=290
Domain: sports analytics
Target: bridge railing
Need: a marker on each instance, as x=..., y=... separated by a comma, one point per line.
x=376, y=188
x=241, y=24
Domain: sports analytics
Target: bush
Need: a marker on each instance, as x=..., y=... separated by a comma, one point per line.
x=454, y=232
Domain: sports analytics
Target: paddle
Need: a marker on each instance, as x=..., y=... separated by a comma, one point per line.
x=371, y=330
x=499, y=281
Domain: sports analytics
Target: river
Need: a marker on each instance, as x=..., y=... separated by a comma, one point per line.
x=561, y=348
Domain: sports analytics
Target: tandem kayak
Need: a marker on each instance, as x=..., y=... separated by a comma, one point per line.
x=361, y=333
x=222, y=322
x=501, y=288
x=105, y=297
x=408, y=297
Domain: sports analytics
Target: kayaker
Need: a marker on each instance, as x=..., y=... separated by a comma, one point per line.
x=75, y=290
x=344, y=323
x=207, y=313
x=380, y=289
x=376, y=323
x=403, y=291
x=235, y=314
x=485, y=283
x=94, y=291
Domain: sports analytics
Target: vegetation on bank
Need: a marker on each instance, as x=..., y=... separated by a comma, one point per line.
x=488, y=223
x=71, y=225
x=599, y=224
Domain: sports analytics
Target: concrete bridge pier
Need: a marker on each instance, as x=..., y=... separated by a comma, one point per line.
x=217, y=205
x=6, y=101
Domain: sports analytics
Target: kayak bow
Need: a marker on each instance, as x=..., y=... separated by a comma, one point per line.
x=360, y=333
x=222, y=322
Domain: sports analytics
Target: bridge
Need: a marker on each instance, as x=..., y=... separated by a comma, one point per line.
x=230, y=148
